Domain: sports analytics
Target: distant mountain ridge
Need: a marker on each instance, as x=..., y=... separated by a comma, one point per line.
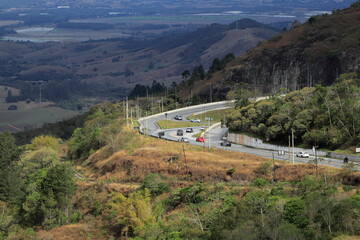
x=129, y=4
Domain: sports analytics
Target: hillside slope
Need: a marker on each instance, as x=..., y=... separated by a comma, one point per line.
x=126, y=62
x=315, y=52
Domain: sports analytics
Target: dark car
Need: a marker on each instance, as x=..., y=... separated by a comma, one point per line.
x=161, y=134
x=189, y=130
x=180, y=132
x=200, y=139
x=225, y=143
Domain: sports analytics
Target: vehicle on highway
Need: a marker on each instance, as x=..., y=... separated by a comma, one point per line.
x=161, y=134
x=189, y=130
x=303, y=154
x=178, y=117
x=202, y=128
x=196, y=120
x=179, y=132
x=225, y=143
x=200, y=139
x=184, y=139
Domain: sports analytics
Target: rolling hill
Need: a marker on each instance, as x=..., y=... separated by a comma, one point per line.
x=115, y=63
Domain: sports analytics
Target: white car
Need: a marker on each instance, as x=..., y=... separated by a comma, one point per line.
x=178, y=117
x=196, y=120
x=184, y=139
x=303, y=154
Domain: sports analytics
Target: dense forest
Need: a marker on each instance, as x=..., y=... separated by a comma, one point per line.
x=121, y=185
x=320, y=116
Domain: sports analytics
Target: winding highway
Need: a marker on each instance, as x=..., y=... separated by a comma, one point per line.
x=214, y=134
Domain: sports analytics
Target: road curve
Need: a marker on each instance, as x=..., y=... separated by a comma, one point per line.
x=148, y=126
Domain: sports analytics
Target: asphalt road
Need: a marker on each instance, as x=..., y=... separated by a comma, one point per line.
x=214, y=135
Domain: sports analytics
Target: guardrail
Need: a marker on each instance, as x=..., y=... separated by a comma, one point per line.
x=258, y=143
x=141, y=120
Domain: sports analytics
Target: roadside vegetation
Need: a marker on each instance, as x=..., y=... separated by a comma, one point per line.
x=327, y=117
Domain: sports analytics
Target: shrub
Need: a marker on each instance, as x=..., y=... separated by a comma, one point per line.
x=260, y=182
x=264, y=168
x=156, y=184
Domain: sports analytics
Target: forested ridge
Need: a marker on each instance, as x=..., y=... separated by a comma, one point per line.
x=319, y=116
x=304, y=55
x=108, y=182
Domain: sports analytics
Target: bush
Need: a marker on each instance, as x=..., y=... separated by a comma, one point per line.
x=264, y=168
x=156, y=184
x=260, y=182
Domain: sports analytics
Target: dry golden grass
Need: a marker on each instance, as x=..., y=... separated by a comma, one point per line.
x=199, y=165
x=71, y=232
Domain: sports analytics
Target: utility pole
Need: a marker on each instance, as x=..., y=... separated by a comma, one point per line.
x=146, y=123
x=209, y=132
x=293, y=150
x=152, y=103
x=40, y=84
x=289, y=148
x=162, y=104
x=131, y=118
x=137, y=108
x=127, y=111
x=124, y=103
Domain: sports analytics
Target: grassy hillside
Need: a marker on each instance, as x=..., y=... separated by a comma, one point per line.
x=108, y=181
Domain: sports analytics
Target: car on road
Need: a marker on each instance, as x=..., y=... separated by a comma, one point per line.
x=202, y=128
x=303, y=154
x=195, y=120
x=200, y=139
x=184, y=139
x=189, y=130
x=178, y=117
x=225, y=143
x=161, y=134
x=179, y=132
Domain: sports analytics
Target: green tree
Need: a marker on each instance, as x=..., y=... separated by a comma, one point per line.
x=9, y=154
x=131, y=214
x=295, y=213
x=49, y=193
x=42, y=158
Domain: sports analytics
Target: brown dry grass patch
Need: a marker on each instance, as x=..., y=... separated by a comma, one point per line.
x=199, y=165
x=70, y=232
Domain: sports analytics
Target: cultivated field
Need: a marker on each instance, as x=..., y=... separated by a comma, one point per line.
x=19, y=120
